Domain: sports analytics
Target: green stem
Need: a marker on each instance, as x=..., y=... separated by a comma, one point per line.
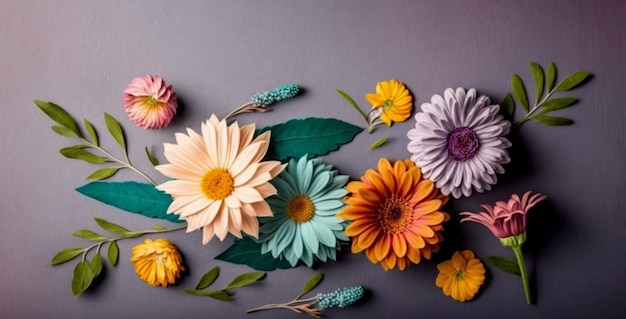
x=535, y=107
x=287, y=305
x=522, y=267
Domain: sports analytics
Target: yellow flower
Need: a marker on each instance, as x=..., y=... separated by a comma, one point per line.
x=394, y=99
x=157, y=262
x=461, y=276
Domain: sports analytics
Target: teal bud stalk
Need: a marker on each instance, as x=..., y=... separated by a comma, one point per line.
x=340, y=298
x=278, y=94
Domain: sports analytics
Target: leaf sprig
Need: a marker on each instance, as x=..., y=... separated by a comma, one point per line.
x=546, y=104
x=209, y=278
x=86, y=271
x=68, y=127
x=299, y=305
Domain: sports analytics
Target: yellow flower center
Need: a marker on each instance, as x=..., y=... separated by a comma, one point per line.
x=217, y=184
x=300, y=209
x=458, y=275
x=388, y=104
x=395, y=215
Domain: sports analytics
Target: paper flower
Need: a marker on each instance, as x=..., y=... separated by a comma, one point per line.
x=395, y=215
x=260, y=101
x=149, y=102
x=157, y=262
x=507, y=221
x=220, y=182
x=461, y=276
x=393, y=101
x=459, y=142
x=304, y=226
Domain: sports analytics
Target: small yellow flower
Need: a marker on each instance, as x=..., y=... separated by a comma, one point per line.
x=461, y=277
x=394, y=99
x=157, y=262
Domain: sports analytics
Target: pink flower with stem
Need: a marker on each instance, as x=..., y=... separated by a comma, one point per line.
x=149, y=102
x=507, y=221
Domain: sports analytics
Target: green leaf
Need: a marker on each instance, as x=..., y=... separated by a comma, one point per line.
x=557, y=104
x=312, y=136
x=215, y=294
x=112, y=227
x=508, y=106
x=92, y=132
x=538, y=76
x=131, y=196
x=96, y=265
x=551, y=77
x=245, y=279
x=103, y=173
x=350, y=101
x=506, y=264
x=116, y=131
x=63, y=131
x=208, y=278
x=158, y=227
x=571, y=81
x=151, y=158
x=311, y=283
x=66, y=255
x=81, y=154
x=83, y=277
x=248, y=252
x=88, y=234
x=552, y=120
x=59, y=115
x=519, y=91
x=113, y=253
x=380, y=142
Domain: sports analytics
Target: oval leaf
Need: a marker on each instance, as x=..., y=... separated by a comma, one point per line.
x=63, y=131
x=519, y=91
x=507, y=107
x=248, y=252
x=66, y=254
x=215, y=294
x=96, y=265
x=572, y=80
x=208, y=278
x=537, y=73
x=113, y=253
x=379, y=143
x=506, y=264
x=83, y=276
x=59, y=115
x=103, y=173
x=551, y=77
x=311, y=283
x=557, y=104
x=153, y=160
x=81, y=154
x=114, y=228
x=116, y=131
x=92, y=132
x=552, y=120
x=88, y=234
x=351, y=102
x=245, y=279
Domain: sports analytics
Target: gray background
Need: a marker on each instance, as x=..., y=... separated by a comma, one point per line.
x=82, y=54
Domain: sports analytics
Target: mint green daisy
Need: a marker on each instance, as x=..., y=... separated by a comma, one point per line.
x=304, y=227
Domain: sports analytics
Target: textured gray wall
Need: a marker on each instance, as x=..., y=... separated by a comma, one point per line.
x=81, y=54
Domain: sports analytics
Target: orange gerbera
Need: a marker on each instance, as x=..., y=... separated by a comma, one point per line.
x=394, y=100
x=395, y=215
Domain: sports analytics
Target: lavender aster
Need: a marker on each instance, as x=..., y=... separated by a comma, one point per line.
x=459, y=142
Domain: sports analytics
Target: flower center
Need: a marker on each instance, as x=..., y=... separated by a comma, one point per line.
x=395, y=215
x=388, y=104
x=462, y=143
x=217, y=184
x=458, y=275
x=300, y=209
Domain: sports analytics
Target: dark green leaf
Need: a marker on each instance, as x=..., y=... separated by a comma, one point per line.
x=507, y=106
x=350, y=101
x=557, y=104
x=245, y=279
x=96, y=265
x=113, y=253
x=103, y=173
x=208, y=278
x=248, y=252
x=312, y=136
x=63, y=131
x=151, y=158
x=116, y=131
x=131, y=196
x=506, y=264
x=519, y=91
x=81, y=154
x=114, y=228
x=538, y=76
x=88, y=234
x=311, y=283
x=380, y=142
x=92, y=132
x=66, y=254
x=552, y=120
x=83, y=276
x=571, y=81
x=551, y=79
x=59, y=115
x=215, y=294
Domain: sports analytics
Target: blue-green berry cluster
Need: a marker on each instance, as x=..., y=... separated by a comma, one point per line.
x=340, y=298
x=278, y=94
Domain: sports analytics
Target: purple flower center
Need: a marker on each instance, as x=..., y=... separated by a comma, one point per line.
x=462, y=143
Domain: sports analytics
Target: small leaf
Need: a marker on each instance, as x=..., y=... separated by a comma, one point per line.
x=92, y=132
x=215, y=294
x=96, y=265
x=245, y=279
x=103, y=173
x=83, y=276
x=114, y=228
x=551, y=79
x=63, y=131
x=66, y=254
x=506, y=264
x=508, y=106
x=380, y=142
x=519, y=92
x=208, y=278
x=158, y=227
x=151, y=158
x=113, y=253
x=538, y=76
x=557, y=104
x=116, y=131
x=246, y=251
x=552, y=120
x=88, y=234
x=59, y=115
x=81, y=154
x=571, y=81
x=311, y=283
x=350, y=101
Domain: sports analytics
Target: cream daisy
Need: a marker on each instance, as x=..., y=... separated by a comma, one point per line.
x=220, y=183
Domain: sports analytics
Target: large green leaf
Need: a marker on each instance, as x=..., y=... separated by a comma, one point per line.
x=248, y=252
x=208, y=278
x=131, y=196
x=572, y=80
x=59, y=115
x=312, y=136
x=506, y=264
x=66, y=255
x=557, y=104
x=84, y=274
